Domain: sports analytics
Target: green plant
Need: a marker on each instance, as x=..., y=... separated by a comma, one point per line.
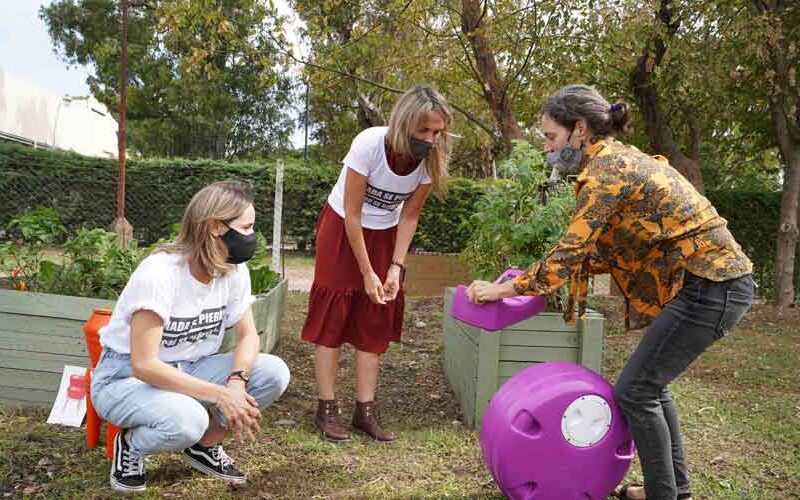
x=512, y=228
x=20, y=264
x=39, y=226
x=29, y=233
x=95, y=265
x=444, y=224
x=262, y=277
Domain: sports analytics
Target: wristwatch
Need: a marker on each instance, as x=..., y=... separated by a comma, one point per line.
x=241, y=375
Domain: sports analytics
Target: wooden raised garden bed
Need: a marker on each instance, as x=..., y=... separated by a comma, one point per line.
x=40, y=333
x=478, y=362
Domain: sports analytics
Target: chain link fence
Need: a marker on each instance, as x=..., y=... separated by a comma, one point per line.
x=83, y=192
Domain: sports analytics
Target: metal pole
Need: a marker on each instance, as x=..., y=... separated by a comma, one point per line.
x=305, y=146
x=277, y=218
x=123, y=111
x=121, y=226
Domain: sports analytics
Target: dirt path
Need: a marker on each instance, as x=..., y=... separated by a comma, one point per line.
x=300, y=278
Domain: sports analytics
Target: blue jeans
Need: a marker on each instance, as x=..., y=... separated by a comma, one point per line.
x=162, y=420
x=703, y=312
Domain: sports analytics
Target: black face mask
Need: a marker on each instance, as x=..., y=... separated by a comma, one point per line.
x=420, y=149
x=241, y=247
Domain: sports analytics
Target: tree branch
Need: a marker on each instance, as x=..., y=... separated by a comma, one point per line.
x=469, y=116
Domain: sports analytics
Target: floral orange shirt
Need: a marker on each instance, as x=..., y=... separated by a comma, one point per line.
x=639, y=219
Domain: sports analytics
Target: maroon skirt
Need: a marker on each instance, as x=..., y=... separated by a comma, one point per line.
x=339, y=309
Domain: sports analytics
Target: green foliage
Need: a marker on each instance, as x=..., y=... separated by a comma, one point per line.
x=444, y=224
x=20, y=264
x=397, y=44
x=262, y=277
x=91, y=264
x=512, y=228
x=39, y=226
x=753, y=219
x=28, y=234
x=82, y=190
x=205, y=78
x=735, y=163
x=94, y=265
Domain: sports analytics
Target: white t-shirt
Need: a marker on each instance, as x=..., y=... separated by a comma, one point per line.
x=195, y=315
x=386, y=191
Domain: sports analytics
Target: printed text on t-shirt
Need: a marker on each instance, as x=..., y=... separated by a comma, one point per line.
x=383, y=199
x=194, y=329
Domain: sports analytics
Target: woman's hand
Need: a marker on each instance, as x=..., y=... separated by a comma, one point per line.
x=392, y=284
x=374, y=288
x=240, y=410
x=480, y=292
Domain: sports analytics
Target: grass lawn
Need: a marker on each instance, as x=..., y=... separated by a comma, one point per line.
x=297, y=259
x=740, y=407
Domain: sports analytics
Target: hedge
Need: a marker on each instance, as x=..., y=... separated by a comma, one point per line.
x=83, y=190
x=753, y=218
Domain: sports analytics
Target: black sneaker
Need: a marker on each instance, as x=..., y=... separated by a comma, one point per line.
x=214, y=462
x=127, y=469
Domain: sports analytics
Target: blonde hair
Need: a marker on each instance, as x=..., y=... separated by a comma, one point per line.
x=406, y=114
x=221, y=201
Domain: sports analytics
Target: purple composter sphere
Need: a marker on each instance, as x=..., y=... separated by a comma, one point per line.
x=554, y=431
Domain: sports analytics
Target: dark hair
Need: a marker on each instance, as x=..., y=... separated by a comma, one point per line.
x=572, y=103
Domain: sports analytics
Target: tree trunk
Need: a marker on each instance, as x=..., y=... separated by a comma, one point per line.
x=659, y=132
x=786, y=249
x=486, y=65
x=368, y=114
x=784, y=107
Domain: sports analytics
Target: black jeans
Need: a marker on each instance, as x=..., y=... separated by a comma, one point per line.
x=703, y=312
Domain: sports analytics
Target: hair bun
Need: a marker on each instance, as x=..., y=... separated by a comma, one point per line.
x=620, y=117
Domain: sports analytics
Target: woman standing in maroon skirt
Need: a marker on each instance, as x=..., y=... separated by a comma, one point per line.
x=363, y=235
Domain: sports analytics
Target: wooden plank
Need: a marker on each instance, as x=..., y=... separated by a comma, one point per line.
x=468, y=345
x=511, y=368
x=53, y=306
x=38, y=361
x=452, y=342
x=469, y=332
x=488, y=366
x=277, y=304
x=463, y=353
x=538, y=339
x=15, y=341
x=460, y=361
x=467, y=402
x=11, y=403
x=267, y=311
x=545, y=322
x=517, y=353
x=28, y=395
x=29, y=379
x=38, y=325
x=590, y=353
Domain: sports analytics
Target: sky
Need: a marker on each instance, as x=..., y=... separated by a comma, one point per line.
x=26, y=51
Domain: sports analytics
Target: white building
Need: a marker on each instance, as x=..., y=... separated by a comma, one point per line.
x=40, y=118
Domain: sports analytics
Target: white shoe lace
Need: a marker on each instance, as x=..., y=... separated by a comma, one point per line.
x=132, y=463
x=220, y=456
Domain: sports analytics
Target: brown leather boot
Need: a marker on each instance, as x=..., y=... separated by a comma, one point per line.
x=367, y=419
x=327, y=421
